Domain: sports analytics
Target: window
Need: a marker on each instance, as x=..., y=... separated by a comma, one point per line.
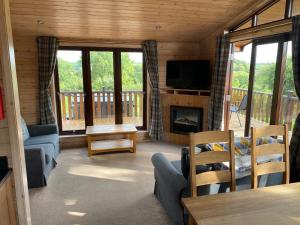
x=296, y=7
x=290, y=105
x=102, y=76
x=272, y=11
x=71, y=93
x=264, y=77
x=257, y=72
x=239, y=91
x=100, y=86
x=275, y=12
x=132, y=87
x=271, y=93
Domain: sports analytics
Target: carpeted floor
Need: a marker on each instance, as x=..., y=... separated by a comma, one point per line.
x=110, y=189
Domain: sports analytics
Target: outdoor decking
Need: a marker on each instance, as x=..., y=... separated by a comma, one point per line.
x=72, y=108
x=261, y=112
x=79, y=124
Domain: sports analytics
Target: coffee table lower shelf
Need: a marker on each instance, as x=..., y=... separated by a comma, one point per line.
x=105, y=146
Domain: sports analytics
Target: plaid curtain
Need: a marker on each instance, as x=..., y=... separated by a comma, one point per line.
x=156, y=125
x=47, y=49
x=295, y=141
x=215, y=111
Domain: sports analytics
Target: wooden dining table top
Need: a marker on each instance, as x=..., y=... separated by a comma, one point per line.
x=276, y=205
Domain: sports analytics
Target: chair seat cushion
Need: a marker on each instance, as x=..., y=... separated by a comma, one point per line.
x=44, y=139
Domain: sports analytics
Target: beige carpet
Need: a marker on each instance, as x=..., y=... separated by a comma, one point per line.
x=110, y=189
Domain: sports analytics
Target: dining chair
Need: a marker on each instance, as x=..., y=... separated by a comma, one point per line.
x=211, y=157
x=269, y=149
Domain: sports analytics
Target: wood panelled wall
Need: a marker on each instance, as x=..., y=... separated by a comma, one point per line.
x=27, y=70
x=4, y=135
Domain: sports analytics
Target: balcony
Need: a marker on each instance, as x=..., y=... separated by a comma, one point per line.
x=289, y=109
x=72, y=108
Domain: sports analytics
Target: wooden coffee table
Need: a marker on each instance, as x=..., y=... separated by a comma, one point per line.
x=102, y=138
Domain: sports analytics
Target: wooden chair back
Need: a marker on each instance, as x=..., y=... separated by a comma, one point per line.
x=210, y=157
x=268, y=149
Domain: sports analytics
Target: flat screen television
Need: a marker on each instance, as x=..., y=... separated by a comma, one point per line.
x=189, y=74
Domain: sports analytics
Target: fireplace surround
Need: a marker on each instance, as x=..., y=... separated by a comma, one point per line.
x=184, y=120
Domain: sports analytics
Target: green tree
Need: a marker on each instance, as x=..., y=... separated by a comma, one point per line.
x=102, y=73
x=264, y=76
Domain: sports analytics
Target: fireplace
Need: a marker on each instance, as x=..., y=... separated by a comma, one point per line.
x=185, y=119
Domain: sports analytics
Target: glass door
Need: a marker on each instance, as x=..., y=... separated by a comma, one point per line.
x=100, y=86
x=263, y=86
x=132, y=76
x=260, y=79
x=70, y=88
x=239, y=87
x=102, y=81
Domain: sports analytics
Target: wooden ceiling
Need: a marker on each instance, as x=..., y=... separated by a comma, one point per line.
x=134, y=20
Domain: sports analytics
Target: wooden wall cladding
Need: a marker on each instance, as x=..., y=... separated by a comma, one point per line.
x=182, y=100
x=175, y=51
x=27, y=71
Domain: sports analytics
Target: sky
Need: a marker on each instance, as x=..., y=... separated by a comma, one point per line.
x=73, y=56
x=265, y=53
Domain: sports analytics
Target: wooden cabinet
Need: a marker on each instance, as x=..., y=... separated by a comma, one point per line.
x=7, y=203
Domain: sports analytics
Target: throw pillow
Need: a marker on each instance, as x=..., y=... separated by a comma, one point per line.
x=25, y=131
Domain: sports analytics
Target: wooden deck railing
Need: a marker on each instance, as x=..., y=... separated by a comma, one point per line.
x=72, y=104
x=290, y=105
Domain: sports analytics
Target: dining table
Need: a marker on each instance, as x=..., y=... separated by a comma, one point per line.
x=275, y=205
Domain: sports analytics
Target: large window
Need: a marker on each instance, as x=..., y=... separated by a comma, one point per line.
x=71, y=92
x=98, y=86
x=263, y=74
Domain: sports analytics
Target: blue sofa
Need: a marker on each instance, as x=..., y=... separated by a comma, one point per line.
x=172, y=184
x=41, y=144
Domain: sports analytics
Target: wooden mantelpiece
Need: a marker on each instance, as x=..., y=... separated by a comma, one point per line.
x=187, y=100
x=184, y=92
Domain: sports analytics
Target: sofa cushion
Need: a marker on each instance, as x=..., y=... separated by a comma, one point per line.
x=44, y=139
x=24, y=130
x=47, y=148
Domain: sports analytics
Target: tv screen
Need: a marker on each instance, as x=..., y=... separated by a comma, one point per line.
x=189, y=74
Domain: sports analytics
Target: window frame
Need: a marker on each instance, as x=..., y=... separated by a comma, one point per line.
x=288, y=11
x=87, y=86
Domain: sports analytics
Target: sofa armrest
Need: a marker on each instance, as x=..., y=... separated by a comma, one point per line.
x=35, y=165
x=171, y=176
x=38, y=130
x=169, y=187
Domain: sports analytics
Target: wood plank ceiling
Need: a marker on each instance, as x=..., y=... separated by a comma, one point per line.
x=134, y=20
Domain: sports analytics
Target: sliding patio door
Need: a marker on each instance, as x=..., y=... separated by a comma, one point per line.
x=262, y=70
x=103, y=90
x=263, y=85
x=132, y=76
x=70, y=90
x=100, y=86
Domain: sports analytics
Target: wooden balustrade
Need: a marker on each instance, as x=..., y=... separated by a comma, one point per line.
x=72, y=104
x=262, y=102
